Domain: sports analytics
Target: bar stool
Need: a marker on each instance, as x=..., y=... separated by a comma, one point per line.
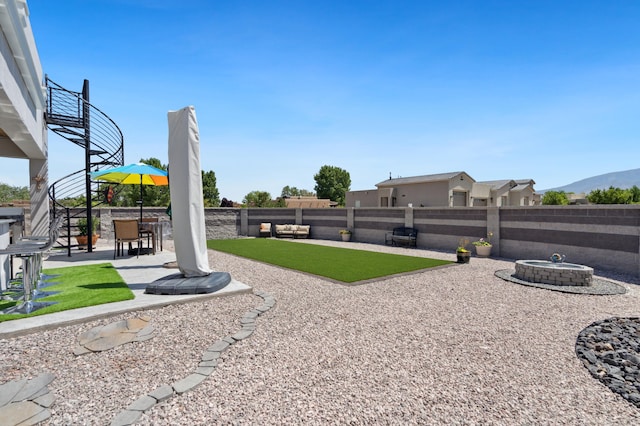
x=31, y=252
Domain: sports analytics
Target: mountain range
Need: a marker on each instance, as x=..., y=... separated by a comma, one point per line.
x=625, y=179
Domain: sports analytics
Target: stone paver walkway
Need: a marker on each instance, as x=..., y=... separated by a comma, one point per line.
x=206, y=367
x=26, y=402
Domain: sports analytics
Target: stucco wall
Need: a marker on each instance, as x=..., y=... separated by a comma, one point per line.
x=432, y=194
x=365, y=198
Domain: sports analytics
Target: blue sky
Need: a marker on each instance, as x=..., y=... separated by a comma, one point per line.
x=547, y=90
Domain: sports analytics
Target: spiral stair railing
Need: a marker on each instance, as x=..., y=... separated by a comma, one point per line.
x=71, y=116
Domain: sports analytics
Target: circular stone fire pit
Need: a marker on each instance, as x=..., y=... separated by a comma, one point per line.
x=556, y=273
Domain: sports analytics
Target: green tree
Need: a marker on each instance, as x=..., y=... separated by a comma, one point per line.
x=258, y=199
x=595, y=196
x=210, y=191
x=12, y=193
x=289, y=191
x=555, y=198
x=332, y=183
x=610, y=196
x=292, y=191
x=635, y=194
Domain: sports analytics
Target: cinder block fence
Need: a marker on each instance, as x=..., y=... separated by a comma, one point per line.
x=603, y=236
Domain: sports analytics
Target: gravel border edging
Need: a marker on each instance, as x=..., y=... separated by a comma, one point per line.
x=598, y=286
x=206, y=367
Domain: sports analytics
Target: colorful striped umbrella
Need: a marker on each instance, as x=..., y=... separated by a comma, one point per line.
x=133, y=174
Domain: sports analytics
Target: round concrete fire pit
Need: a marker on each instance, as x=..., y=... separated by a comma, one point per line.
x=556, y=273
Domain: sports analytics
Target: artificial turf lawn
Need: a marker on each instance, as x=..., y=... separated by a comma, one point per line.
x=79, y=286
x=341, y=264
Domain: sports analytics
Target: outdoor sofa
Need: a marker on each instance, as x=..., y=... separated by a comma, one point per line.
x=293, y=231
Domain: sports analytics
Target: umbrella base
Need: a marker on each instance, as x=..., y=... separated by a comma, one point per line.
x=179, y=284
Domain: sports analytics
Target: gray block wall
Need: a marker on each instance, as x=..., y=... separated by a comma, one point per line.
x=603, y=236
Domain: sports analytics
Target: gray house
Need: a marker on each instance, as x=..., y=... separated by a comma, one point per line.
x=506, y=192
x=437, y=190
x=454, y=189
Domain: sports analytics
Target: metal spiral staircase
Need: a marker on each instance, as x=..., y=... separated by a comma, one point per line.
x=70, y=115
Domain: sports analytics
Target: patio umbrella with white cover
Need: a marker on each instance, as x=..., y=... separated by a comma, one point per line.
x=133, y=174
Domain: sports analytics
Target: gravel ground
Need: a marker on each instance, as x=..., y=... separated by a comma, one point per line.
x=455, y=345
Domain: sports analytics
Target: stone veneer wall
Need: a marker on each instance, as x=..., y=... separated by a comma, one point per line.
x=602, y=236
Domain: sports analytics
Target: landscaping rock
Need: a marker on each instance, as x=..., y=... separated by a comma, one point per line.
x=606, y=348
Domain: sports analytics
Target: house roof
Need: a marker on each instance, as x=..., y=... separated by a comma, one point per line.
x=418, y=179
x=308, y=202
x=520, y=187
x=515, y=184
x=497, y=184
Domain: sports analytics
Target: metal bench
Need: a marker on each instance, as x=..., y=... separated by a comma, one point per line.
x=402, y=236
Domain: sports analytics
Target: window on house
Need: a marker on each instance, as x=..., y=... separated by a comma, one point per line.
x=384, y=201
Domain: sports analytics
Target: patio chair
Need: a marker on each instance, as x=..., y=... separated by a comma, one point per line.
x=265, y=229
x=126, y=231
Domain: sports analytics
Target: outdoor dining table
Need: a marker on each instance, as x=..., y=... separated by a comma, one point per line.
x=154, y=231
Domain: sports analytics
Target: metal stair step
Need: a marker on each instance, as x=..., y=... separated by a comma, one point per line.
x=68, y=131
x=64, y=120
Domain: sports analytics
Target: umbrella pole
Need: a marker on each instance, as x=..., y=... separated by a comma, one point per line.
x=140, y=222
x=140, y=198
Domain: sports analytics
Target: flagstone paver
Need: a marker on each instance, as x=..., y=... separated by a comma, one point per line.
x=126, y=417
x=162, y=393
x=22, y=413
x=219, y=346
x=26, y=402
x=103, y=338
x=188, y=383
x=143, y=403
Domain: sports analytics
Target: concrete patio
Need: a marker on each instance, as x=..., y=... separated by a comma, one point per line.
x=137, y=272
